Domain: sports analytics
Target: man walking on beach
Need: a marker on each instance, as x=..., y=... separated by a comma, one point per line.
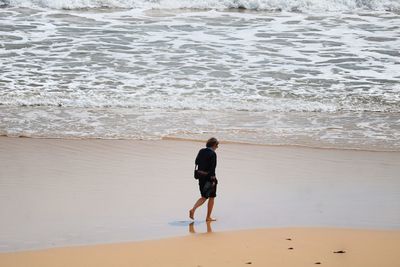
x=206, y=161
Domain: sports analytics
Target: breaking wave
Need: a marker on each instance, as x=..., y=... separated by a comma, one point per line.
x=286, y=5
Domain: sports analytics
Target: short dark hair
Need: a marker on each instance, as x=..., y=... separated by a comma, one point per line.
x=212, y=142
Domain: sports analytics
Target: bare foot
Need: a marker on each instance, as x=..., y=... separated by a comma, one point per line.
x=191, y=214
x=210, y=219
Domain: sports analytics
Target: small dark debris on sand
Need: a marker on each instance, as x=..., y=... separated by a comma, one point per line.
x=289, y=239
x=317, y=262
x=339, y=251
x=290, y=248
x=249, y=262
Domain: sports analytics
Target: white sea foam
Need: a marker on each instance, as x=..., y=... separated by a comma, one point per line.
x=282, y=77
x=289, y=5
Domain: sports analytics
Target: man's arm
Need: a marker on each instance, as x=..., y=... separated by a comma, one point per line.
x=213, y=165
x=197, y=158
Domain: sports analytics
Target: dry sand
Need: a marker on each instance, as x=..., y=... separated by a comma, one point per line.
x=261, y=247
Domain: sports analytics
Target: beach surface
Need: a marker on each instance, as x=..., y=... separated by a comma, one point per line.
x=261, y=247
x=63, y=193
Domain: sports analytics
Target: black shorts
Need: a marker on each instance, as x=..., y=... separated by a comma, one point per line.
x=205, y=190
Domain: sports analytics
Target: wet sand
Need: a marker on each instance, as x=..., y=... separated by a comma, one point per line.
x=61, y=193
x=261, y=247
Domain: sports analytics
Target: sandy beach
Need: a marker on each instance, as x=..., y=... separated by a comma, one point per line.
x=60, y=193
x=125, y=203
x=261, y=247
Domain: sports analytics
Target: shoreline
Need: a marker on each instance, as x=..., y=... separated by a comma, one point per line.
x=183, y=139
x=260, y=247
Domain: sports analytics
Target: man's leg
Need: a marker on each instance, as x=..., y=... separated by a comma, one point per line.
x=209, y=209
x=198, y=203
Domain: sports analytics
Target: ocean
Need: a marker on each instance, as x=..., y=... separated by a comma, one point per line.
x=318, y=73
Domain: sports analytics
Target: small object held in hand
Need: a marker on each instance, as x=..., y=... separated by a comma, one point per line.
x=249, y=262
x=339, y=251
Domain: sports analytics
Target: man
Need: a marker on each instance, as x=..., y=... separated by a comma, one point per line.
x=207, y=162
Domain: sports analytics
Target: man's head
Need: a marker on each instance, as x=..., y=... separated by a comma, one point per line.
x=212, y=143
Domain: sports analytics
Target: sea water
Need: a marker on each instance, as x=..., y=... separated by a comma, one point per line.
x=283, y=72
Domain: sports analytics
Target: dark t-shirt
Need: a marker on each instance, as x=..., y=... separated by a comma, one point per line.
x=207, y=161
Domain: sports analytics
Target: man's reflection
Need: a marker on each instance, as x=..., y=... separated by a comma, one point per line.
x=193, y=231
